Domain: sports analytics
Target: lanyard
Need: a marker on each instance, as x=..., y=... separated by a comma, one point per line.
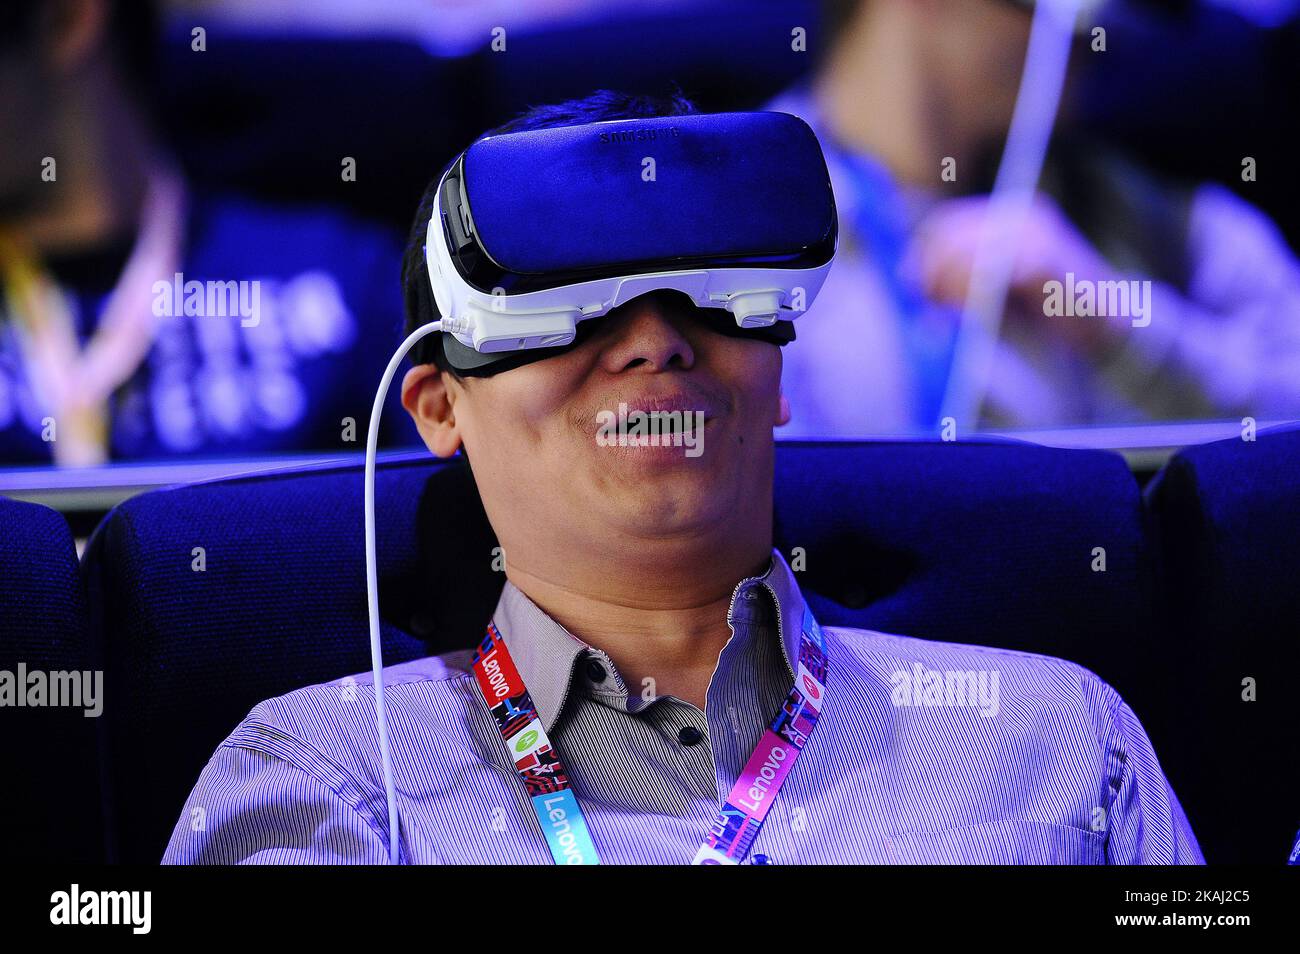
x=548, y=784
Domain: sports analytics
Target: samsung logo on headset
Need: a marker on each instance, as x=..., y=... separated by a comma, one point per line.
x=639, y=135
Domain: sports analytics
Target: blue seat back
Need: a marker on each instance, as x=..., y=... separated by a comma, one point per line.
x=1226, y=525
x=50, y=793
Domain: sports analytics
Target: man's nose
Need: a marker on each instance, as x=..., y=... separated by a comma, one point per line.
x=649, y=332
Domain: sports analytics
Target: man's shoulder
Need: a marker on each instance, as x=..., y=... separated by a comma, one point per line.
x=329, y=716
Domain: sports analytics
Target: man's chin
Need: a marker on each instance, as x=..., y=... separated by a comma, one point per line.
x=667, y=519
x=675, y=493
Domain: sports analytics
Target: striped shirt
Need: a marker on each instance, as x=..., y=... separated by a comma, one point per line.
x=924, y=752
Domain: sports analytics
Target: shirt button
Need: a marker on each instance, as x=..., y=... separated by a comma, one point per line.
x=595, y=671
x=689, y=735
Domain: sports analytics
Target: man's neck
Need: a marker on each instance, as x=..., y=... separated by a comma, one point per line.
x=663, y=625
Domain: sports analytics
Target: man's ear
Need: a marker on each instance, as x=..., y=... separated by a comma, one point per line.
x=426, y=398
x=782, y=410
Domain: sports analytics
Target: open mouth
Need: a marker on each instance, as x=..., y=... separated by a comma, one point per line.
x=649, y=428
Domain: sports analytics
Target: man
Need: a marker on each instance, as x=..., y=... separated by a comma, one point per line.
x=144, y=318
x=657, y=632
x=912, y=100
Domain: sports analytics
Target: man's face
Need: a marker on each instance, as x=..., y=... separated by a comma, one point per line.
x=533, y=433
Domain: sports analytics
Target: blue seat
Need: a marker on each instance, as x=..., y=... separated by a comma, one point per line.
x=1226, y=525
x=990, y=543
x=50, y=795
x=972, y=542
x=279, y=603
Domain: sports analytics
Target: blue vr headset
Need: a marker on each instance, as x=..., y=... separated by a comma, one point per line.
x=535, y=232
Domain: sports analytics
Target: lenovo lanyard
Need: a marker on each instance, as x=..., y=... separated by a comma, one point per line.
x=551, y=790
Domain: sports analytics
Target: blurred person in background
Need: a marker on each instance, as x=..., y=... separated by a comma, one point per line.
x=908, y=85
x=141, y=317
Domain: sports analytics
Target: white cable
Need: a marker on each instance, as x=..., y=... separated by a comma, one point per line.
x=372, y=578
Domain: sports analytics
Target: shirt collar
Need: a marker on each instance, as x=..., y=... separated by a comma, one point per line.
x=546, y=654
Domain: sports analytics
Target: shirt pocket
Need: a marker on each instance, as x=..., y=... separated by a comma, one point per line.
x=1011, y=841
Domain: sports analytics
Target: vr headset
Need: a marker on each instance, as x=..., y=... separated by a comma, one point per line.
x=534, y=233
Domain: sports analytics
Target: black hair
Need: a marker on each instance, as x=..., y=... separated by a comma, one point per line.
x=604, y=104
